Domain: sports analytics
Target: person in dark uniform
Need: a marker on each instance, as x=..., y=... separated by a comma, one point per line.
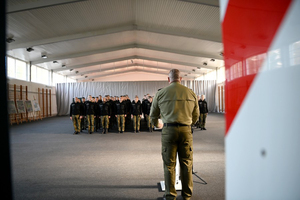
x=144, y=101
x=76, y=113
x=128, y=109
x=121, y=114
x=178, y=107
x=146, y=111
x=203, y=112
x=104, y=112
x=83, y=120
x=90, y=114
x=136, y=114
x=98, y=118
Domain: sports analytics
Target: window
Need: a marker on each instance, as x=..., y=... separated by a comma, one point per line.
x=33, y=73
x=211, y=75
x=16, y=69
x=39, y=75
x=11, y=67
x=69, y=80
x=57, y=78
x=221, y=75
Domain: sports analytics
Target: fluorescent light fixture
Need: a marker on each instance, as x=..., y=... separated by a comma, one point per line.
x=29, y=49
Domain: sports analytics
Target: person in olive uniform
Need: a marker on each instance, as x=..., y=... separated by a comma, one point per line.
x=121, y=114
x=128, y=108
x=104, y=112
x=146, y=111
x=83, y=120
x=90, y=114
x=203, y=112
x=136, y=114
x=178, y=107
x=98, y=118
x=76, y=113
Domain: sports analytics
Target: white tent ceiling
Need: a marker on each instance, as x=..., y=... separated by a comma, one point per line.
x=121, y=39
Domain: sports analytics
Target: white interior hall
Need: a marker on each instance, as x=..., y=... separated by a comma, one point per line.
x=61, y=49
x=116, y=40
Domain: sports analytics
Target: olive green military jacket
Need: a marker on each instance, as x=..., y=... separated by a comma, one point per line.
x=176, y=104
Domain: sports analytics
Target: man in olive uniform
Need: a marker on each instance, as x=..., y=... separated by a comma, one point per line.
x=83, y=120
x=76, y=113
x=104, y=112
x=146, y=111
x=90, y=114
x=178, y=108
x=98, y=118
x=121, y=114
x=136, y=114
x=203, y=112
x=128, y=109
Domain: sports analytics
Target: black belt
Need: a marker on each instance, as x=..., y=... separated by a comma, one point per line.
x=174, y=124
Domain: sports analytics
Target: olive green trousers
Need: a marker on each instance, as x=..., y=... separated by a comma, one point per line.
x=179, y=140
x=91, y=122
x=105, y=121
x=121, y=122
x=136, y=122
x=76, y=122
x=148, y=120
x=203, y=120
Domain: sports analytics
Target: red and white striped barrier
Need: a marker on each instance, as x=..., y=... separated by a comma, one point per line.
x=262, y=59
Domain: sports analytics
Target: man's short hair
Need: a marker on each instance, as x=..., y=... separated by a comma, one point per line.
x=174, y=75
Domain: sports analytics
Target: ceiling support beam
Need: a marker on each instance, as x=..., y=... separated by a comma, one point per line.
x=124, y=47
x=214, y=3
x=121, y=72
x=112, y=30
x=131, y=58
x=94, y=63
x=31, y=5
x=73, y=75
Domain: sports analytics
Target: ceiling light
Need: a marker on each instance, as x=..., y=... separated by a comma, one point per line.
x=85, y=76
x=55, y=62
x=198, y=67
x=92, y=79
x=193, y=70
x=185, y=75
x=9, y=40
x=71, y=70
x=63, y=65
x=77, y=72
x=213, y=60
x=44, y=55
x=29, y=49
x=204, y=63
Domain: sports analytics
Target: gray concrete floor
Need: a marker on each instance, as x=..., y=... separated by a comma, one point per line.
x=48, y=162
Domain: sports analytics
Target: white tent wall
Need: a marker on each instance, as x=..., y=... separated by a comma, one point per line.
x=65, y=92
